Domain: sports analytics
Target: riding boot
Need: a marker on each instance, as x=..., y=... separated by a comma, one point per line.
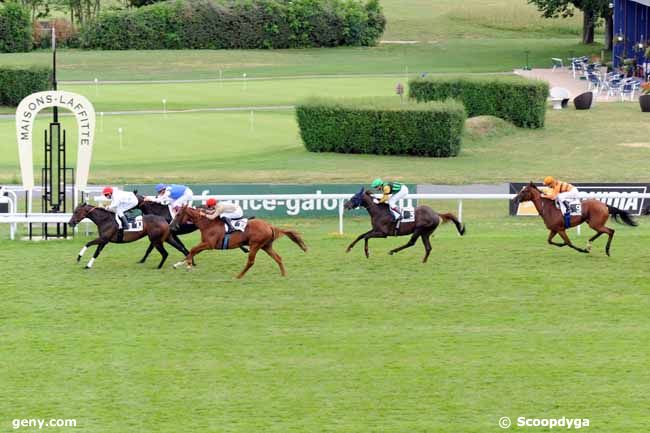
x=229, y=227
x=125, y=222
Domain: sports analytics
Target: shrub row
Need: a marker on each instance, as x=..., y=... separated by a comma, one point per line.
x=15, y=28
x=381, y=126
x=520, y=101
x=15, y=84
x=208, y=24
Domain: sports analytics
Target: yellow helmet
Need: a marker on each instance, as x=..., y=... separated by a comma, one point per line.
x=549, y=180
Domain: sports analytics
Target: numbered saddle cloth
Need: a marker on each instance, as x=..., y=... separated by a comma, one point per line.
x=239, y=224
x=135, y=224
x=408, y=214
x=574, y=207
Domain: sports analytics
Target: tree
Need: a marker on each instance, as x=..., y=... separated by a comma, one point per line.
x=592, y=11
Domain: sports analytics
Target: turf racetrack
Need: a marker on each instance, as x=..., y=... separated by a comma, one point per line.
x=496, y=324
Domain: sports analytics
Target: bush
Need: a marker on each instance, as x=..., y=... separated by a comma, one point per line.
x=15, y=28
x=381, y=126
x=66, y=35
x=208, y=24
x=16, y=84
x=520, y=101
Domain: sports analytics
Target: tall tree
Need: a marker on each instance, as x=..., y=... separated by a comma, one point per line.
x=592, y=10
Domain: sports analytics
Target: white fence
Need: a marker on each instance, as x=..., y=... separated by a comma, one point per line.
x=14, y=217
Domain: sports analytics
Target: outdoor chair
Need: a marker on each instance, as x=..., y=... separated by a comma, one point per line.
x=559, y=97
x=583, y=101
x=628, y=88
x=557, y=63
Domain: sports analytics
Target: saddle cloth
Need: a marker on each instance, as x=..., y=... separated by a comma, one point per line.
x=135, y=224
x=574, y=208
x=408, y=214
x=239, y=224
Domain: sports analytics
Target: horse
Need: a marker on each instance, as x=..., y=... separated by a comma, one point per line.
x=383, y=224
x=161, y=210
x=155, y=227
x=258, y=235
x=594, y=213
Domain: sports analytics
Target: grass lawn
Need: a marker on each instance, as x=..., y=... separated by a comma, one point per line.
x=222, y=147
x=496, y=324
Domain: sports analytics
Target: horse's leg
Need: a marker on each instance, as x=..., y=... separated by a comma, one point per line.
x=372, y=234
x=177, y=244
x=163, y=252
x=85, y=247
x=427, y=246
x=610, y=233
x=146, y=254
x=551, y=235
x=564, y=236
x=251, y=260
x=591, y=239
x=361, y=236
x=410, y=243
x=275, y=256
x=99, y=249
x=190, y=257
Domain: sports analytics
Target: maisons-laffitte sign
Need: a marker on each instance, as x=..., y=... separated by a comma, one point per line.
x=26, y=113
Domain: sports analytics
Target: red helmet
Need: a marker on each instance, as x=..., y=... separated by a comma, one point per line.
x=107, y=190
x=211, y=202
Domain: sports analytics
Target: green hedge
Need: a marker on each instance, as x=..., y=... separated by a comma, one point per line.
x=381, y=126
x=520, y=101
x=15, y=28
x=15, y=84
x=209, y=24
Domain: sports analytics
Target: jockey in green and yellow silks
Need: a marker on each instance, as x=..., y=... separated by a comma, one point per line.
x=392, y=192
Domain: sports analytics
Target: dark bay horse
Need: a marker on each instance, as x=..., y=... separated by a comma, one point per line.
x=161, y=210
x=258, y=235
x=155, y=227
x=594, y=212
x=383, y=225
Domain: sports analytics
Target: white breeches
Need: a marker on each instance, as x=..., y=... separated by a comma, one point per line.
x=567, y=196
x=393, y=201
x=123, y=207
x=233, y=215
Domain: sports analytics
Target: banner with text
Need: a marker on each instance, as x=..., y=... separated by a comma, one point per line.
x=635, y=206
x=265, y=207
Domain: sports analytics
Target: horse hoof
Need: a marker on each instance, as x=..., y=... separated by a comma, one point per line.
x=86, y=267
x=348, y=250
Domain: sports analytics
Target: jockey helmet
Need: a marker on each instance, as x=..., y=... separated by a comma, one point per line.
x=160, y=187
x=211, y=202
x=107, y=190
x=549, y=180
x=377, y=183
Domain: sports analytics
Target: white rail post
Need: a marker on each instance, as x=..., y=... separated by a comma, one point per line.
x=341, y=210
x=460, y=210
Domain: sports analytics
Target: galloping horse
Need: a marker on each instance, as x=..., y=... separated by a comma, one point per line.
x=594, y=213
x=161, y=210
x=258, y=235
x=155, y=227
x=383, y=225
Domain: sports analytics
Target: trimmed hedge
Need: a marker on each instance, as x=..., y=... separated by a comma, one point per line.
x=209, y=24
x=520, y=101
x=381, y=126
x=16, y=84
x=15, y=28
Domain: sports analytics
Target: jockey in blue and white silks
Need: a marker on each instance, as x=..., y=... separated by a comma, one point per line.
x=173, y=195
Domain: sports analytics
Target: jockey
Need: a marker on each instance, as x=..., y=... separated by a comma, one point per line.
x=173, y=195
x=561, y=192
x=121, y=201
x=226, y=211
x=392, y=192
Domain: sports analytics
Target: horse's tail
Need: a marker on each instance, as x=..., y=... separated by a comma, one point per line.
x=625, y=216
x=291, y=234
x=451, y=217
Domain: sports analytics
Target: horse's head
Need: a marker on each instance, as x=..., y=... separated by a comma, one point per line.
x=355, y=201
x=182, y=217
x=80, y=213
x=528, y=192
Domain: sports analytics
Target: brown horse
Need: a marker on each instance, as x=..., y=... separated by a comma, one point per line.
x=155, y=227
x=258, y=235
x=594, y=213
x=383, y=225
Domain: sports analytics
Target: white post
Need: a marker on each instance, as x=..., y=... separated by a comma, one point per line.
x=245, y=83
x=164, y=101
x=460, y=210
x=119, y=132
x=96, y=85
x=341, y=211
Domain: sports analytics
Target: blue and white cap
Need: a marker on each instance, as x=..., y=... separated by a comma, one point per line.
x=160, y=187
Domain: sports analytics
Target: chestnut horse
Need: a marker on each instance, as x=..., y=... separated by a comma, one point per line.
x=258, y=235
x=594, y=212
x=383, y=225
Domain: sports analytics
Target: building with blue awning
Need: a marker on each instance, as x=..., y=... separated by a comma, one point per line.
x=631, y=30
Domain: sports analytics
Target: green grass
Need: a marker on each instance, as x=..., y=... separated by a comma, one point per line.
x=222, y=147
x=497, y=324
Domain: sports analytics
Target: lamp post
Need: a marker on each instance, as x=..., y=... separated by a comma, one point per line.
x=527, y=67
